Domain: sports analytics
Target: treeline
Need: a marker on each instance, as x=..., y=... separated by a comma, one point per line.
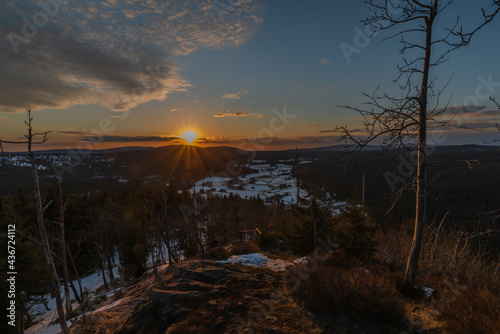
x=466, y=184
x=126, y=228
x=90, y=171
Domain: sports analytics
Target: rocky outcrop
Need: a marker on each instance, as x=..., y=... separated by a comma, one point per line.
x=211, y=297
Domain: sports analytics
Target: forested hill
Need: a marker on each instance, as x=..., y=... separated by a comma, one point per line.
x=463, y=180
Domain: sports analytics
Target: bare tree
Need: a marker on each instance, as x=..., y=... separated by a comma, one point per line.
x=402, y=122
x=69, y=310
x=157, y=206
x=31, y=140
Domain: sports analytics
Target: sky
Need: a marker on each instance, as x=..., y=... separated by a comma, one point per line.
x=245, y=73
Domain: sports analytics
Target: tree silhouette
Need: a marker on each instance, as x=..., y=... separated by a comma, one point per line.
x=402, y=122
x=30, y=141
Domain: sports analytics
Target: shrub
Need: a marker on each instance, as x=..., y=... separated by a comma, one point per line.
x=353, y=293
x=272, y=240
x=216, y=254
x=246, y=247
x=341, y=259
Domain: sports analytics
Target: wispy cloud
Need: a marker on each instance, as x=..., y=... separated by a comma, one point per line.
x=464, y=110
x=308, y=125
x=132, y=139
x=238, y=95
x=340, y=131
x=325, y=61
x=470, y=117
x=113, y=53
x=240, y=113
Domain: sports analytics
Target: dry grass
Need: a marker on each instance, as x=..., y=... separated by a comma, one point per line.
x=471, y=308
x=466, y=290
x=100, y=323
x=343, y=289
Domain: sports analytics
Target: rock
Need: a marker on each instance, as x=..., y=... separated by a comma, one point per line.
x=209, y=276
x=219, y=291
x=168, y=303
x=220, y=324
x=185, y=285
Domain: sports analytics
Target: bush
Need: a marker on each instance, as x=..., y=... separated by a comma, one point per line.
x=217, y=254
x=341, y=259
x=242, y=248
x=353, y=293
x=272, y=240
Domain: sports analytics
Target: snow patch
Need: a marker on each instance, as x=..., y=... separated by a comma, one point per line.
x=258, y=260
x=428, y=291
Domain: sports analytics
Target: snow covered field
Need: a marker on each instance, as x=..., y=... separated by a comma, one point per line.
x=270, y=182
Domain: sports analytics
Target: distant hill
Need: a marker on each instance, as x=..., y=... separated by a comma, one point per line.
x=331, y=148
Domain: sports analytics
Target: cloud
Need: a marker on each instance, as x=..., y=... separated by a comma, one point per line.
x=312, y=126
x=219, y=140
x=325, y=61
x=340, y=131
x=240, y=113
x=77, y=132
x=175, y=110
x=117, y=54
x=130, y=139
x=308, y=125
x=237, y=95
x=460, y=110
x=297, y=88
x=468, y=117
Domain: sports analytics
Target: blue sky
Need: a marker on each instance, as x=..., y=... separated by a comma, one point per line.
x=160, y=68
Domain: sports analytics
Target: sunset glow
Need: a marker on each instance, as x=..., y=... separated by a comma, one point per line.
x=220, y=79
x=189, y=136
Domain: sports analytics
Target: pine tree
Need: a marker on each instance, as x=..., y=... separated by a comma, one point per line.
x=310, y=225
x=354, y=231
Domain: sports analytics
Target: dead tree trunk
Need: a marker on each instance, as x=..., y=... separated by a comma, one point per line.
x=110, y=269
x=69, y=310
x=42, y=229
x=416, y=247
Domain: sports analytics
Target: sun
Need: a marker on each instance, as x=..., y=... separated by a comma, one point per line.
x=189, y=136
